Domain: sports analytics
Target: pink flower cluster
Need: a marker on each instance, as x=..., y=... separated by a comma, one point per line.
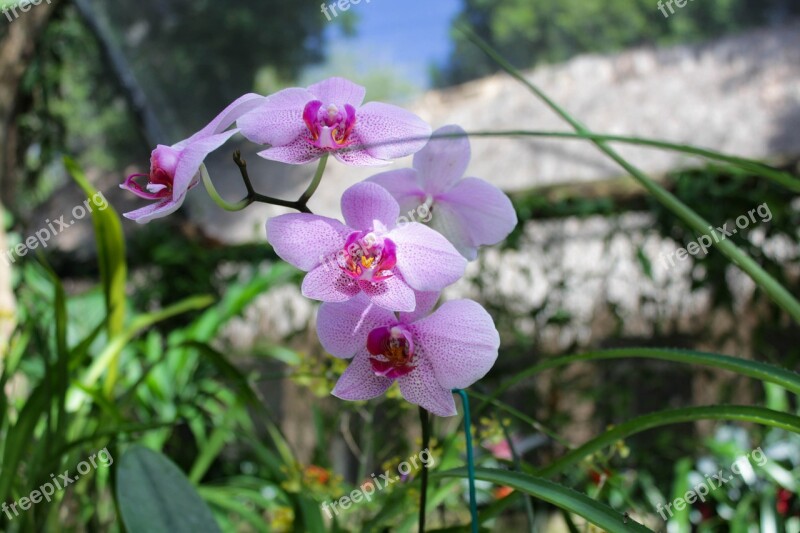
x=379, y=279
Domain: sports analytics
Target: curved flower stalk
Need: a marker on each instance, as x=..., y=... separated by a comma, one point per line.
x=370, y=253
x=470, y=212
x=173, y=169
x=428, y=355
x=327, y=117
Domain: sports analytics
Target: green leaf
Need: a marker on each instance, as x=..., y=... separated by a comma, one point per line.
x=754, y=369
x=679, y=519
x=555, y=494
x=111, y=258
x=21, y=435
x=140, y=323
x=740, y=413
x=110, y=248
x=154, y=496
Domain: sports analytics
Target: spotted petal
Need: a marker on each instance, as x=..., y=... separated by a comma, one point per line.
x=392, y=293
x=359, y=381
x=358, y=157
x=389, y=132
x=460, y=341
x=342, y=328
x=365, y=202
x=427, y=261
x=420, y=387
x=279, y=120
x=338, y=91
x=306, y=240
x=327, y=283
x=297, y=152
x=425, y=302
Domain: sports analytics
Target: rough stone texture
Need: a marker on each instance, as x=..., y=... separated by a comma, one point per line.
x=739, y=95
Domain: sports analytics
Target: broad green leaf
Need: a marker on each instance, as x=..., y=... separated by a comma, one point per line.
x=154, y=496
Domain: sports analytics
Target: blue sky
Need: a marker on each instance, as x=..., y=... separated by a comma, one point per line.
x=411, y=34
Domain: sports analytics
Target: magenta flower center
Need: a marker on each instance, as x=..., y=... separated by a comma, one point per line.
x=329, y=126
x=368, y=256
x=159, y=184
x=392, y=351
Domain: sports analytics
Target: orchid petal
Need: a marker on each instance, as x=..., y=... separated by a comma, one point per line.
x=338, y=91
x=279, y=120
x=359, y=382
x=297, y=152
x=365, y=202
x=425, y=302
x=192, y=156
x=447, y=220
x=390, y=132
x=443, y=161
x=343, y=327
x=427, y=261
x=306, y=240
x=358, y=157
x=229, y=115
x=392, y=293
x=155, y=210
x=404, y=187
x=328, y=283
x=421, y=388
x=460, y=341
x=484, y=210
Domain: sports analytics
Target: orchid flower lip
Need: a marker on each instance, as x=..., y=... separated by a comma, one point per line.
x=329, y=125
x=155, y=189
x=392, y=351
x=368, y=256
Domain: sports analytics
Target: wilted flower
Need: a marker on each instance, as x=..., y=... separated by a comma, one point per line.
x=173, y=169
x=303, y=124
x=470, y=212
x=370, y=254
x=428, y=356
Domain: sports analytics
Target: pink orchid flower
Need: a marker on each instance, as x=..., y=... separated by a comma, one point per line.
x=302, y=124
x=470, y=212
x=428, y=356
x=370, y=253
x=173, y=169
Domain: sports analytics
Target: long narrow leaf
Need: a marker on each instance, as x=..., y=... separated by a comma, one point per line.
x=739, y=413
x=558, y=495
x=754, y=369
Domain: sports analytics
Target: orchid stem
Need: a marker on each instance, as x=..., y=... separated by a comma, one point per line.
x=473, y=506
x=312, y=187
x=252, y=196
x=426, y=437
x=212, y=192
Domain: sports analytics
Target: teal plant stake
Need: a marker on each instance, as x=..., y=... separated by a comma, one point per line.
x=473, y=506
